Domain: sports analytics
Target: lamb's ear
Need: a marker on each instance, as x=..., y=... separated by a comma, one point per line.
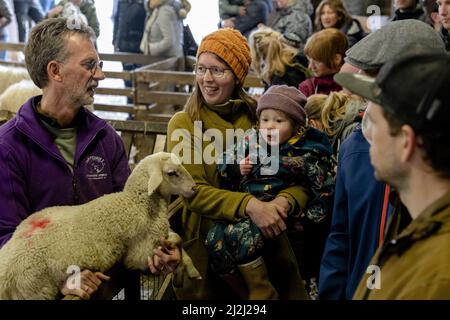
x=175, y=159
x=154, y=179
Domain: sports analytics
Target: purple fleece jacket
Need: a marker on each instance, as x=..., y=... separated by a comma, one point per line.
x=34, y=174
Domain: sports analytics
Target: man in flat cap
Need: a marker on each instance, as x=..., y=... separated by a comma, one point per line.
x=407, y=128
x=361, y=211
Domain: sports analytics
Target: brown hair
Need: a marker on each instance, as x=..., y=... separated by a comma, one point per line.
x=324, y=45
x=342, y=14
x=196, y=101
x=47, y=42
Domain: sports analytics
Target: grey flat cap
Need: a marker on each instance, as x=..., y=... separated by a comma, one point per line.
x=398, y=38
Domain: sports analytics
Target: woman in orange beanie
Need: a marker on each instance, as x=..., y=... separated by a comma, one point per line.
x=217, y=107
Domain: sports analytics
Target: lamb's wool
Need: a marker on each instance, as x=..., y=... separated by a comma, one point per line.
x=122, y=226
x=11, y=75
x=17, y=94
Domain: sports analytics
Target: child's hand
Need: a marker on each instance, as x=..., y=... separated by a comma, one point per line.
x=245, y=166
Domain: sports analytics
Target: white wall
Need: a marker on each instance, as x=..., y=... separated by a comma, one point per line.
x=203, y=18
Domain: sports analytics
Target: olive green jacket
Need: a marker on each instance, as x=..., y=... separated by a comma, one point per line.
x=415, y=264
x=212, y=203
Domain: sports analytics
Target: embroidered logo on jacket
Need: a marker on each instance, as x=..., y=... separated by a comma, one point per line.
x=95, y=167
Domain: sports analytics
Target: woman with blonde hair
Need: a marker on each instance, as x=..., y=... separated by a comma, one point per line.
x=274, y=61
x=333, y=14
x=336, y=114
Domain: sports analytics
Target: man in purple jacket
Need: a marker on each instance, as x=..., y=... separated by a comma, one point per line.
x=54, y=151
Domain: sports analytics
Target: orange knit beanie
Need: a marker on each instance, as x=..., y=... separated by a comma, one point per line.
x=231, y=46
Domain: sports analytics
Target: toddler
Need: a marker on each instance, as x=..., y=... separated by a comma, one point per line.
x=304, y=158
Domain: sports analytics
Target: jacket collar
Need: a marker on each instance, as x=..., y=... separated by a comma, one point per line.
x=28, y=123
x=434, y=219
x=239, y=117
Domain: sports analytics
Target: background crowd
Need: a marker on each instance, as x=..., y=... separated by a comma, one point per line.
x=341, y=198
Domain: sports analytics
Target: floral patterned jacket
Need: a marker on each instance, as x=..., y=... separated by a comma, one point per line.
x=305, y=159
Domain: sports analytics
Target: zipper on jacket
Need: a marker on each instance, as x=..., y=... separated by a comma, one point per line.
x=76, y=195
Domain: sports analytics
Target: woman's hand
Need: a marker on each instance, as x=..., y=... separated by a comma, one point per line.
x=267, y=216
x=284, y=204
x=165, y=259
x=83, y=284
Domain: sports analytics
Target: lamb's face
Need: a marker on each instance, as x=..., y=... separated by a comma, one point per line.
x=177, y=179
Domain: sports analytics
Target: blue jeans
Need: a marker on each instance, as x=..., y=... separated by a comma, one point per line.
x=25, y=9
x=3, y=38
x=47, y=5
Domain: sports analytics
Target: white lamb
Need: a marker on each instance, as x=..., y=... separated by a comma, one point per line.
x=124, y=226
x=10, y=75
x=17, y=94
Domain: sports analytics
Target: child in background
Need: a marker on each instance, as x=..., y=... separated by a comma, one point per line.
x=336, y=114
x=70, y=10
x=274, y=60
x=325, y=51
x=304, y=159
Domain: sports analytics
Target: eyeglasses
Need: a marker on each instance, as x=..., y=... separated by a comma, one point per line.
x=93, y=65
x=216, y=72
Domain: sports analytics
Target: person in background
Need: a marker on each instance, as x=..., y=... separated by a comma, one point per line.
x=233, y=8
x=333, y=14
x=71, y=11
x=5, y=19
x=409, y=104
x=274, y=60
x=408, y=9
x=431, y=9
x=219, y=102
x=444, y=16
x=47, y=5
x=129, y=24
x=163, y=33
x=256, y=13
x=325, y=51
x=336, y=114
x=114, y=10
x=24, y=11
x=53, y=135
x=292, y=19
x=361, y=205
x=85, y=7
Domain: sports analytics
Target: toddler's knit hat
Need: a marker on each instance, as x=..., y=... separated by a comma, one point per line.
x=284, y=98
